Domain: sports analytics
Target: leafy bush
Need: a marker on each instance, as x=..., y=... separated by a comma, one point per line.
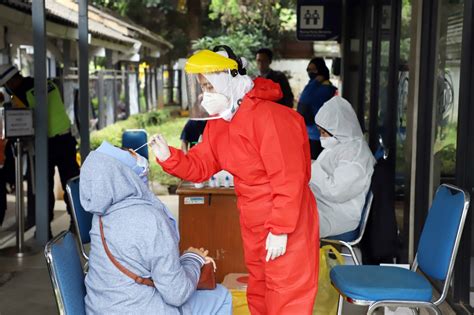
x=153, y=122
x=95, y=103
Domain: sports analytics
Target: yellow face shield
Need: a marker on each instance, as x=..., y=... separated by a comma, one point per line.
x=206, y=61
x=204, y=102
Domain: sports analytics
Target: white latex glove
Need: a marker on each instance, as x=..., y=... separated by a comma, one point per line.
x=160, y=147
x=275, y=245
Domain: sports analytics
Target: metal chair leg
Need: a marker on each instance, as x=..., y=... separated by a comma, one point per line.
x=339, y=305
x=435, y=309
x=372, y=309
x=353, y=254
x=414, y=310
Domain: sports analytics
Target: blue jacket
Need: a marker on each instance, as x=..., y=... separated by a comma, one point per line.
x=142, y=235
x=313, y=97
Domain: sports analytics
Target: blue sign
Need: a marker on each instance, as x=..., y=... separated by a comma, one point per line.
x=319, y=20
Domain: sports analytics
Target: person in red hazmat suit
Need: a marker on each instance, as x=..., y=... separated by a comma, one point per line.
x=265, y=147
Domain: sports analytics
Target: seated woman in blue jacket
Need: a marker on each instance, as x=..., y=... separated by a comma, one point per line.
x=142, y=236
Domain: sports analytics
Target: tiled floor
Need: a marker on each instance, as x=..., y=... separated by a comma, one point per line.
x=29, y=290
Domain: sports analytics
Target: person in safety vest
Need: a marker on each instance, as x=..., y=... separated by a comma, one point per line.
x=265, y=147
x=61, y=143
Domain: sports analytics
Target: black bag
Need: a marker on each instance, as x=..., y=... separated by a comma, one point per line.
x=380, y=242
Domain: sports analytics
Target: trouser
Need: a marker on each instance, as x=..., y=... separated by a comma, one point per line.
x=211, y=302
x=315, y=148
x=3, y=195
x=7, y=174
x=288, y=284
x=61, y=154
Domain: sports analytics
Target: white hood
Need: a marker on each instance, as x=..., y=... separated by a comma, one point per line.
x=234, y=88
x=341, y=176
x=339, y=118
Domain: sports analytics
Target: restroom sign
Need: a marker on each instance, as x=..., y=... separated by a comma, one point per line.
x=312, y=17
x=319, y=20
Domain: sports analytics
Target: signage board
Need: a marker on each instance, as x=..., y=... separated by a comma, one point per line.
x=319, y=20
x=16, y=123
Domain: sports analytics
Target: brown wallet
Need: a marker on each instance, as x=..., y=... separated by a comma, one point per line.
x=207, y=280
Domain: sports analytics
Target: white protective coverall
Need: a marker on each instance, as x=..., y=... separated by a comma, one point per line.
x=340, y=177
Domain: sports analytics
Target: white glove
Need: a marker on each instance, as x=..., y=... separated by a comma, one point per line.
x=275, y=245
x=160, y=147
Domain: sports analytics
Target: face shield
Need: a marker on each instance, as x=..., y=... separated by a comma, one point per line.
x=204, y=102
x=208, y=78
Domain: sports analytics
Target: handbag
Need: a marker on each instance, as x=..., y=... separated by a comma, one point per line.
x=207, y=280
x=328, y=297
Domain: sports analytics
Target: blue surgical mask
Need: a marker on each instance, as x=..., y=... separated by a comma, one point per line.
x=141, y=168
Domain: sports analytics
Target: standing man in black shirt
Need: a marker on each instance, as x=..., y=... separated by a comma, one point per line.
x=264, y=59
x=191, y=133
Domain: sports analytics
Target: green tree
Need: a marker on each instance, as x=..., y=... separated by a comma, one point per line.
x=267, y=16
x=179, y=22
x=246, y=25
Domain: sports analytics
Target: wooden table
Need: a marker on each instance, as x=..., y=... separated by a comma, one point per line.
x=208, y=217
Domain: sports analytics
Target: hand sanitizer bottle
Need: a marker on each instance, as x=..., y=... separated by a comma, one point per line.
x=227, y=182
x=212, y=182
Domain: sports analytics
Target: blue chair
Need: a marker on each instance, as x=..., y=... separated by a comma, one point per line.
x=135, y=138
x=353, y=238
x=82, y=219
x=67, y=276
x=379, y=286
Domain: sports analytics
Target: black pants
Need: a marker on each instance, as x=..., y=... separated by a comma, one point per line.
x=7, y=175
x=3, y=195
x=316, y=148
x=61, y=154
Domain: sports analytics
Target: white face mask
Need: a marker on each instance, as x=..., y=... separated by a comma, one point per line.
x=214, y=103
x=328, y=142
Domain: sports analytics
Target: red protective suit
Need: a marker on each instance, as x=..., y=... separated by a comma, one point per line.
x=265, y=146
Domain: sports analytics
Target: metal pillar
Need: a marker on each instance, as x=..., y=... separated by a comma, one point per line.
x=155, y=81
x=138, y=87
x=102, y=105
x=67, y=57
x=84, y=77
x=20, y=250
x=115, y=97
x=20, y=215
x=126, y=77
x=147, y=90
x=41, y=122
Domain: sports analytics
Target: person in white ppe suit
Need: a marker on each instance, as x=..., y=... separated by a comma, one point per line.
x=341, y=176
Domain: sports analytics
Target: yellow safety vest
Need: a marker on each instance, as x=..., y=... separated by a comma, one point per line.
x=58, y=120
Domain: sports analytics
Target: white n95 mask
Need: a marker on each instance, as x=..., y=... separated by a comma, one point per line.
x=328, y=142
x=214, y=103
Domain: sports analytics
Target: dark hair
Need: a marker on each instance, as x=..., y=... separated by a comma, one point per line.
x=267, y=52
x=325, y=130
x=321, y=66
x=230, y=53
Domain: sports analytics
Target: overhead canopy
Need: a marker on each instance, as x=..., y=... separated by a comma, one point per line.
x=106, y=30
